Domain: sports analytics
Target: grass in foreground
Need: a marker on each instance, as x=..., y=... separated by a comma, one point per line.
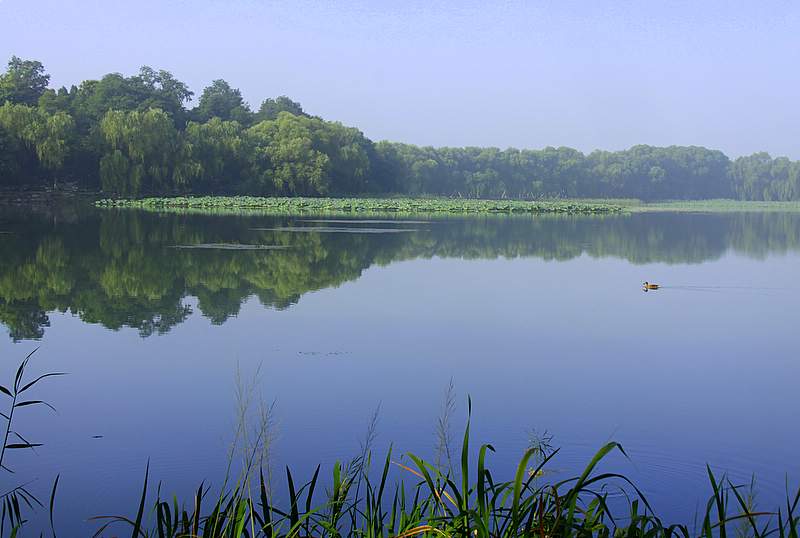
x=427, y=501
x=359, y=205
x=422, y=499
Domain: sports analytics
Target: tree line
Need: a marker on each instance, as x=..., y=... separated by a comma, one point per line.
x=137, y=135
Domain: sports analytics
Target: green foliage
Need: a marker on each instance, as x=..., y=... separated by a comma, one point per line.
x=281, y=150
x=121, y=268
x=214, y=156
x=162, y=90
x=142, y=149
x=9, y=160
x=300, y=155
x=296, y=204
x=149, y=89
x=48, y=136
x=23, y=82
x=648, y=173
x=17, y=501
x=641, y=172
x=221, y=101
x=760, y=177
x=406, y=497
x=270, y=108
x=286, y=159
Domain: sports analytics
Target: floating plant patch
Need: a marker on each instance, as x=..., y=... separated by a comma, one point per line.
x=354, y=221
x=335, y=229
x=230, y=246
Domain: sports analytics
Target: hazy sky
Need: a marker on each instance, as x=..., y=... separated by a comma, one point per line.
x=601, y=74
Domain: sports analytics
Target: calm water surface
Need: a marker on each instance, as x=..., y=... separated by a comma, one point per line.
x=542, y=321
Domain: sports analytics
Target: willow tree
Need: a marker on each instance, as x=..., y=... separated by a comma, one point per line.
x=760, y=177
x=48, y=136
x=142, y=149
x=8, y=164
x=284, y=160
x=349, y=152
x=214, y=155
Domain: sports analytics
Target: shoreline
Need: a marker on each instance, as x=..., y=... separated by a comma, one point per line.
x=365, y=205
x=435, y=205
x=388, y=205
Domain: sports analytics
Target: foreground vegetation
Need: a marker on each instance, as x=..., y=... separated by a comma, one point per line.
x=134, y=136
x=428, y=500
x=356, y=205
x=464, y=499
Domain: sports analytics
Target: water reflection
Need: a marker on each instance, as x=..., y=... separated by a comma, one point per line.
x=121, y=268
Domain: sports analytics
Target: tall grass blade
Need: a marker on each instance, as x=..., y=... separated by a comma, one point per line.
x=137, y=526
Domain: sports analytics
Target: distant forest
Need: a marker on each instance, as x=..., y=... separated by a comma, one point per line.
x=134, y=136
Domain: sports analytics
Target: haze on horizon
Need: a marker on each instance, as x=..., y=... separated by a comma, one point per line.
x=605, y=75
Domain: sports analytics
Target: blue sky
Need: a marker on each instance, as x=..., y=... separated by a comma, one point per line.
x=603, y=74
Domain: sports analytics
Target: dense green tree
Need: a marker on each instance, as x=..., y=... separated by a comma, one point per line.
x=220, y=100
x=270, y=108
x=650, y=173
x=387, y=167
x=149, y=89
x=132, y=135
x=215, y=155
x=163, y=91
x=141, y=152
x=349, y=154
x=284, y=157
x=301, y=155
x=23, y=82
x=760, y=177
x=60, y=100
x=89, y=102
x=10, y=172
x=48, y=136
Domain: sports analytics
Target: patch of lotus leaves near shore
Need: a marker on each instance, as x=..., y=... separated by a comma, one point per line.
x=335, y=229
x=229, y=246
x=357, y=205
x=364, y=221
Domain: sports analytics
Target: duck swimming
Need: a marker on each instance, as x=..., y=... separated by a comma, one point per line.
x=648, y=286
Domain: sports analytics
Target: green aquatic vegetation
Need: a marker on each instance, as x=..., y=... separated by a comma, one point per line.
x=295, y=205
x=230, y=246
x=364, y=221
x=335, y=229
x=253, y=205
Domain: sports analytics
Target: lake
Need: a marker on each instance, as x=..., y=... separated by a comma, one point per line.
x=542, y=321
